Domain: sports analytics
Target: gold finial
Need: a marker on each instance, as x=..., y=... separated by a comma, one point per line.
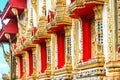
x=15, y=12
x=7, y=36
x=53, y=4
x=44, y=8
x=31, y=16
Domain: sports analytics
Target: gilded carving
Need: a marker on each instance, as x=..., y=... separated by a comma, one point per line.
x=98, y=28
x=92, y=69
x=35, y=5
x=111, y=34
x=68, y=43
x=61, y=15
x=53, y=51
x=21, y=24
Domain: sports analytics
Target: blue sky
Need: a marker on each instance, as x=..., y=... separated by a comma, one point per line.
x=2, y=4
x=4, y=68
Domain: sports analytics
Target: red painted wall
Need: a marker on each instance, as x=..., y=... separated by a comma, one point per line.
x=21, y=66
x=30, y=62
x=43, y=57
x=72, y=1
x=61, y=51
x=86, y=39
x=18, y=3
x=11, y=27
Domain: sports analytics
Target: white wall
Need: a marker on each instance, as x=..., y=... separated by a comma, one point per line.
x=105, y=43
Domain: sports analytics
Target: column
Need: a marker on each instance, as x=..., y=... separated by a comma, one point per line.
x=48, y=71
x=48, y=52
x=34, y=59
x=68, y=57
x=93, y=38
x=77, y=40
x=34, y=63
x=25, y=65
x=98, y=30
x=113, y=35
x=17, y=66
x=54, y=51
x=118, y=15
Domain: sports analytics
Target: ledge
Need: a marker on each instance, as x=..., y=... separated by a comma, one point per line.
x=113, y=64
x=82, y=7
x=65, y=70
x=99, y=71
x=45, y=75
x=96, y=62
x=81, y=3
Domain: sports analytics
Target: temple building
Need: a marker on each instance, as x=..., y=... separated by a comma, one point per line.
x=62, y=39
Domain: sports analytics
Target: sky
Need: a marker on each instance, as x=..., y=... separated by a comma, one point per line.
x=4, y=68
x=2, y=4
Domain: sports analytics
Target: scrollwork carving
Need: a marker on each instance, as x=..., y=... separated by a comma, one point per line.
x=21, y=23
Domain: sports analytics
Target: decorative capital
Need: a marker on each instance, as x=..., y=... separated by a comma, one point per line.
x=67, y=31
x=98, y=12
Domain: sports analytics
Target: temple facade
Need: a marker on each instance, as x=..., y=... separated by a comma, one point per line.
x=63, y=39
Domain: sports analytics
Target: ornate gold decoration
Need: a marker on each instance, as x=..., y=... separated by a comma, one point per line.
x=34, y=75
x=21, y=24
x=111, y=33
x=47, y=74
x=68, y=44
x=93, y=67
x=61, y=15
x=42, y=25
x=81, y=4
x=53, y=52
x=35, y=5
x=24, y=76
x=112, y=64
x=77, y=50
x=99, y=29
x=48, y=71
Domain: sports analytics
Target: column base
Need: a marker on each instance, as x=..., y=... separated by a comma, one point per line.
x=92, y=78
x=63, y=77
x=97, y=73
x=64, y=73
x=45, y=76
x=92, y=69
x=113, y=68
